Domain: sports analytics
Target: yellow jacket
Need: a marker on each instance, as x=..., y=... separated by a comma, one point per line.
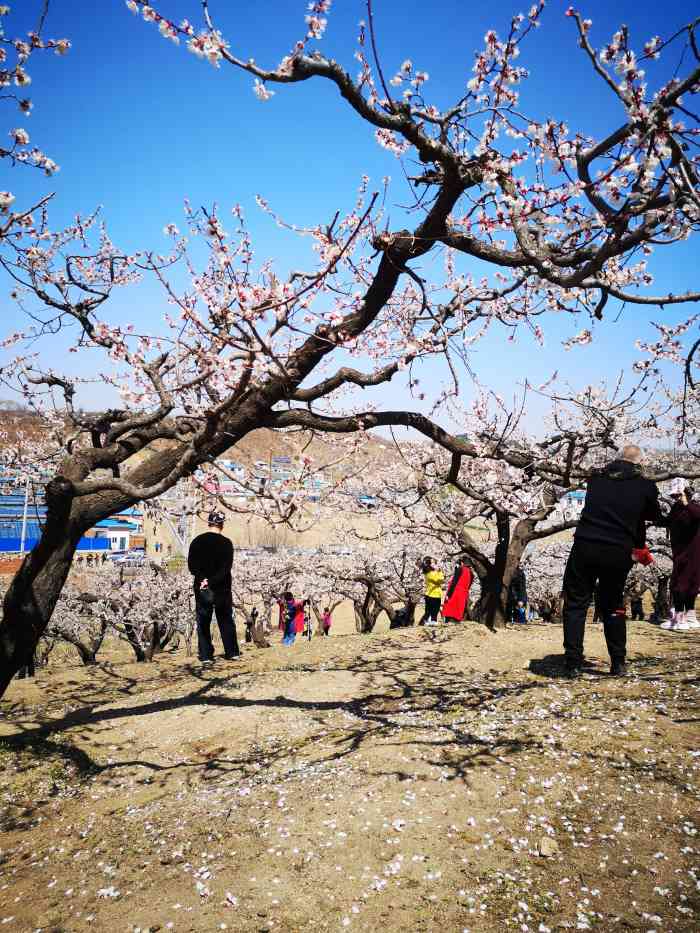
x=433, y=583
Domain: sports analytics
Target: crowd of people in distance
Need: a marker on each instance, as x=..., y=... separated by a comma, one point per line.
x=91, y=560
x=295, y=619
x=454, y=602
x=210, y=561
x=610, y=538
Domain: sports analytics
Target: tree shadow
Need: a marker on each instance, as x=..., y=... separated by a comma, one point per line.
x=425, y=689
x=414, y=703
x=41, y=747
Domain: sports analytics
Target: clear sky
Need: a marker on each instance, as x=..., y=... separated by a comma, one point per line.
x=137, y=124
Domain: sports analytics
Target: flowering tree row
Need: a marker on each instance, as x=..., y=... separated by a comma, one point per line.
x=506, y=489
x=148, y=609
x=152, y=608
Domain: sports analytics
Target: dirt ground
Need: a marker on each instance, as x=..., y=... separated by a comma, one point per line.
x=416, y=780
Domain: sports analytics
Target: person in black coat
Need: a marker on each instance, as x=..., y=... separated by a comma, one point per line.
x=684, y=530
x=210, y=560
x=517, y=593
x=619, y=500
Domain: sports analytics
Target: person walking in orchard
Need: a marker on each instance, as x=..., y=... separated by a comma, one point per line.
x=294, y=619
x=434, y=579
x=684, y=530
x=517, y=596
x=210, y=560
x=457, y=595
x=637, y=607
x=300, y=617
x=290, y=611
x=619, y=500
x=326, y=621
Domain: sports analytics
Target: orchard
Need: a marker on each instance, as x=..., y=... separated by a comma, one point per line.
x=437, y=268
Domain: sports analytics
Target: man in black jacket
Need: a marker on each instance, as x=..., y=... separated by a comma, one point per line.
x=210, y=560
x=618, y=501
x=517, y=593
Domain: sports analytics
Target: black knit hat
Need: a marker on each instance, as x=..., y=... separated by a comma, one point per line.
x=216, y=518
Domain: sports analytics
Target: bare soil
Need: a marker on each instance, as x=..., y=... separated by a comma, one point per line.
x=416, y=780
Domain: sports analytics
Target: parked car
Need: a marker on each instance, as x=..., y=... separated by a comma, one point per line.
x=131, y=560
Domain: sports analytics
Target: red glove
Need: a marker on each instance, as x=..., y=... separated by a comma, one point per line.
x=642, y=555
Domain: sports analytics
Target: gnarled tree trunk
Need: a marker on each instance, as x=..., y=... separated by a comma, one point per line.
x=36, y=587
x=493, y=604
x=366, y=614
x=662, y=601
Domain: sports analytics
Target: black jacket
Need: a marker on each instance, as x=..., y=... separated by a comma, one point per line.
x=211, y=557
x=518, y=588
x=618, y=502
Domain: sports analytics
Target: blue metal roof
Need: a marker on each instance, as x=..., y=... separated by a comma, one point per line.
x=13, y=529
x=12, y=545
x=113, y=523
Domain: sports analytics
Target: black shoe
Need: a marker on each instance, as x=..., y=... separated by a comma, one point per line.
x=232, y=657
x=618, y=669
x=207, y=662
x=572, y=671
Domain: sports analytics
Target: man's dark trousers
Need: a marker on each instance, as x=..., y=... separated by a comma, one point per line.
x=208, y=600
x=592, y=562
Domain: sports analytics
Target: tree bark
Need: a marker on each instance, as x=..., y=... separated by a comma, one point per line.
x=662, y=602
x=494, y=589
x=34, y=591
x=492, y=607
x=87, y=655
x=366, y=615
x=135, y=642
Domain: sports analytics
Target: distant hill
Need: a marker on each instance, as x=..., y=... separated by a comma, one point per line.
x=18, y=421
x=261, y=444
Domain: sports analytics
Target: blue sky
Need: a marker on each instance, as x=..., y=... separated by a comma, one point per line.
x=137, y=124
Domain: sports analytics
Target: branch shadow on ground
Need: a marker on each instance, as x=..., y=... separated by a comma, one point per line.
x=415, y=701
x=404, y=700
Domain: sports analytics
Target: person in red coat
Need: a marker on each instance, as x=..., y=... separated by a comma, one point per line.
x=294, y=612
x=299, y=617
x=684, y=529
x=457, y=594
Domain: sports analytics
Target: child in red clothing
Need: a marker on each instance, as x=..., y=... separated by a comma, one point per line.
x=326, y=621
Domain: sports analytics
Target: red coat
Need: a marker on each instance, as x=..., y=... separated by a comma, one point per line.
x=457, y=594
x=299, y=619
x=684, y=526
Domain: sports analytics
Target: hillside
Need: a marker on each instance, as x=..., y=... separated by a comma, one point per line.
x=261, y=444
x=412, y=781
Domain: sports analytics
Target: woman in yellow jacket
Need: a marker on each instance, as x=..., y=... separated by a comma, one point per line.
x=434, y=580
